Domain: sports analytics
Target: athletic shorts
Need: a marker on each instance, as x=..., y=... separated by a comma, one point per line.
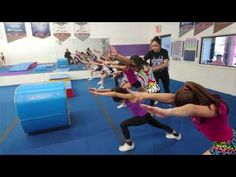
x=224, y=148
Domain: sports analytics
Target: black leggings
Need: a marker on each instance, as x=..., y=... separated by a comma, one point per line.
x=136, y=121
x=165, y=78
x=117, y=79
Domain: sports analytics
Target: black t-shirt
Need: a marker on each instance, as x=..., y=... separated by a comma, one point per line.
x=67, y=54
x=157, y=58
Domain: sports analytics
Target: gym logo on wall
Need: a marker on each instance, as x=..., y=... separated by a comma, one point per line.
x=81, y=30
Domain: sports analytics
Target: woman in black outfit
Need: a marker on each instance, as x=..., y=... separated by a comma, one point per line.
x=159, y=61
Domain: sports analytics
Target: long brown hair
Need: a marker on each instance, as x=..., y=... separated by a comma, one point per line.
x=193, y=93
x=119, y=90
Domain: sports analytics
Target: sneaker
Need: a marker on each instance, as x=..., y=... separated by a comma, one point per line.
x=101, y=87
x=99, y=82
x=172, y=136
x=89, y=79
x=122, y=105
x=126, y=147
x=156, y=102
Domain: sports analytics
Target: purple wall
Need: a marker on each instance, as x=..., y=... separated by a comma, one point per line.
x=133, y=49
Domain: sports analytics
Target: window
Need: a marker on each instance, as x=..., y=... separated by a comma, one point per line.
x=219, y=50
x=166, y=42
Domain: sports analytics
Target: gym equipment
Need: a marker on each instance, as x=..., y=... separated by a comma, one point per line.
x=42, y=106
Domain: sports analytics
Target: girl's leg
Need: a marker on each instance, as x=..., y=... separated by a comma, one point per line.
x=152, y=121
x=165, y=78
x=157, y=78
x=91, y=78
x=172, y=134
x=125, y=85
x=134, y=121
x=103, y=76
x=116, y=78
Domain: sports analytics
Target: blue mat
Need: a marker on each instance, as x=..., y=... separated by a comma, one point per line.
x=42, y=67
x=95, y=128
x=22, y=66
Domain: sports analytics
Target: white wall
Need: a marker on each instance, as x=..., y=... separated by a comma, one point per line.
x=48, y=50
x=122, y=33
x=219, y=78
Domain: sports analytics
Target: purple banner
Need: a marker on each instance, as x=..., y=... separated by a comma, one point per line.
x=201, y=26
x=133, y=49
x=185, y=27
x=14, y=30
x=40, y=30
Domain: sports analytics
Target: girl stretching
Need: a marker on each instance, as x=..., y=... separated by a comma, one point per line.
x=208, y=112
x=141, y=116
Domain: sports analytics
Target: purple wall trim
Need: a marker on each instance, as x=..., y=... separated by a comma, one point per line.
x=132, y=49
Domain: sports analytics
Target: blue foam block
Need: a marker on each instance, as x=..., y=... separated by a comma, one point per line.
x=42, y=106
x=62, y=63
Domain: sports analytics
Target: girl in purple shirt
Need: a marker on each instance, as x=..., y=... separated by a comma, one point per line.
x=141, y=116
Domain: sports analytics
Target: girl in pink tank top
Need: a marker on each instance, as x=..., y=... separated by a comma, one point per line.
x=208, y=112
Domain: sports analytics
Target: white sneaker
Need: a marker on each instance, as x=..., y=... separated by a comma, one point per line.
x=172, y=136
x=122, y=105
x=101, y=87
x=126, y=147
x=89, y=79
x=99, y=82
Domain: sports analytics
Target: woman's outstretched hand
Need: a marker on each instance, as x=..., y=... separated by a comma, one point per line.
x=137, y=95
x=157, y=111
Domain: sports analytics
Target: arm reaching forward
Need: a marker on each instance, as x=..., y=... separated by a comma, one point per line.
x=162, y=97
x=183, y=111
